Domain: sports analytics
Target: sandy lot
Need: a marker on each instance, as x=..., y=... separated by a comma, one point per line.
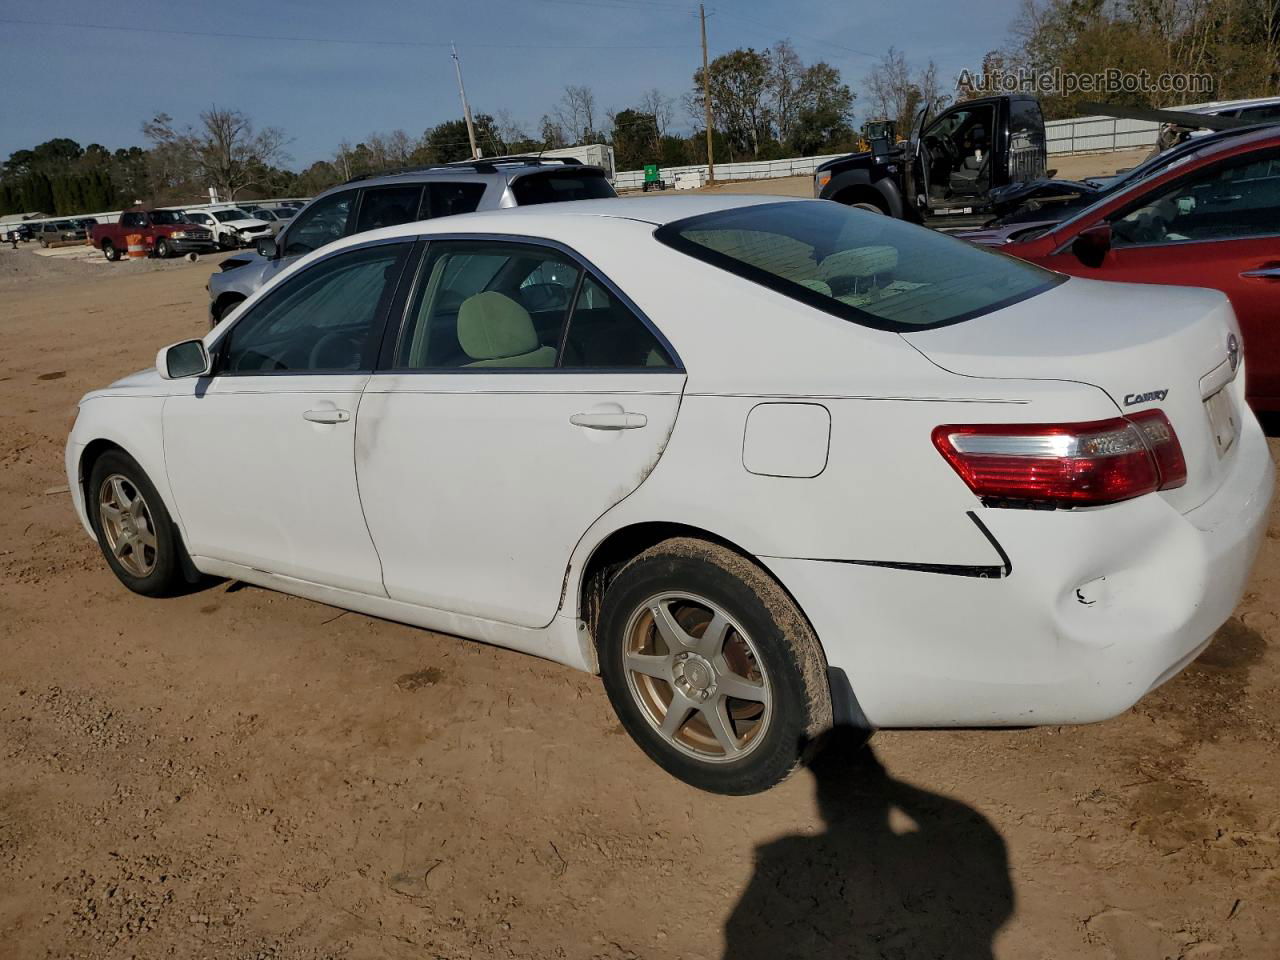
x=240, y=774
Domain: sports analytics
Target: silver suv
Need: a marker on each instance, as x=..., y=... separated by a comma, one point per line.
x=384, y=200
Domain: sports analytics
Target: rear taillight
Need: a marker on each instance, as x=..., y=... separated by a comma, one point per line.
x=1065, y=464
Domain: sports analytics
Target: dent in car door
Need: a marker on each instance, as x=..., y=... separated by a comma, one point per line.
x=477, y=488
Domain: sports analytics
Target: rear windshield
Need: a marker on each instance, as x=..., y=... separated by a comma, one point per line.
x=556, y=185
x=858, y=265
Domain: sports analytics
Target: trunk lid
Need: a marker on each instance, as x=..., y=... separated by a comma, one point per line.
x=1148, y=347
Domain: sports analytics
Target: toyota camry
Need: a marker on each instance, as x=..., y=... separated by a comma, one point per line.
x=767, y=466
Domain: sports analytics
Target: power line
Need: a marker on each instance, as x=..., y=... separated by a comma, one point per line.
x=275, y=38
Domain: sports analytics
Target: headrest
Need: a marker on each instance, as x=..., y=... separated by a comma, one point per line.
x=492, y=326
x=859, y=262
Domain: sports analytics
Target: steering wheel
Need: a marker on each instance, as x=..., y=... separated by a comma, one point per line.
x=335, y=351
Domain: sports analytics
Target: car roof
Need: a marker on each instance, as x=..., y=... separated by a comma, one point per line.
x=1263, y=135
x=478, y=171
x=646, y=209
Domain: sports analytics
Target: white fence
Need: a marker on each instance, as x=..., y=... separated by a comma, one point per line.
x=1098, y=135
x=749, y=170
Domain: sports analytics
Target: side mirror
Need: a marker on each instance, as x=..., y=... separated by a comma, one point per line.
x=1092, y=244
x=267, y=248
x=178, y=361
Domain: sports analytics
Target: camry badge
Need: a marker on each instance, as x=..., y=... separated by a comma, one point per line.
x=1131, y=398
x=1233, y=352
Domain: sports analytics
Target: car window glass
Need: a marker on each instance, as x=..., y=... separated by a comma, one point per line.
x=603, y=332
x=321, y=319
x=861, y=267
x=388, y=206
x=1235, y=199
x=1259, y=114
x=446, y=199
x=554, y=186
x=323, y=222
x=133, y=220
x=488, y=305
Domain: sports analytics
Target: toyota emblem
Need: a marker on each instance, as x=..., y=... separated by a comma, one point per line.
x=1233, y=352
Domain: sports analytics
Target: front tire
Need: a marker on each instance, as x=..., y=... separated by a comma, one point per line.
x=711, y=667
x=162, y=250
x=134, y=530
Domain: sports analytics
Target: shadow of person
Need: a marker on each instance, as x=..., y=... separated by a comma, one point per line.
x=899, y=873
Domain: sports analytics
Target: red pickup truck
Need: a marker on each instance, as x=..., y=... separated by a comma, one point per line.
x=163, y=232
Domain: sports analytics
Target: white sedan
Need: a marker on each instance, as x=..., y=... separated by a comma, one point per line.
x=768, y=466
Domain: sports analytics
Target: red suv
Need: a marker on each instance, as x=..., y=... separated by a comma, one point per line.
x=1211, y=220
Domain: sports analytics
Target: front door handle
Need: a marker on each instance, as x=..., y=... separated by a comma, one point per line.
x=1266, y=273
x=609, y=421
x=327, y=416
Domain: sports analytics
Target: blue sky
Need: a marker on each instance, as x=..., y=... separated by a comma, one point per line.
x=99, y=85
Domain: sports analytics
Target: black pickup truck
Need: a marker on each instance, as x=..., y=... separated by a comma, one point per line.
x=944, y=175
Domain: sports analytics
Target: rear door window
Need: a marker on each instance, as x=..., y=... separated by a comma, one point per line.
x=388, y=206
x=552, y=186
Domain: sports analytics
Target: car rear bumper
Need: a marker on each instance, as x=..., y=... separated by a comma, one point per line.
x=1099, y=607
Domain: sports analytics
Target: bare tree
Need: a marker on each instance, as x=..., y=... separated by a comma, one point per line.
x=507, y=129
x=225, y=151
x=660, y=106
x=785, y=72
x=897, y=91
x=576, y=114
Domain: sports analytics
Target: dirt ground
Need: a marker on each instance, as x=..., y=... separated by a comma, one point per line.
x=241, y=774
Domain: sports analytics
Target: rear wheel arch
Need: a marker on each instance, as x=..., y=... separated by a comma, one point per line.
x=862, y=194
x=623, y=545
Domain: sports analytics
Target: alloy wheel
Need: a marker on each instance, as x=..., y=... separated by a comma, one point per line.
x=127, y=525
x=697, y=677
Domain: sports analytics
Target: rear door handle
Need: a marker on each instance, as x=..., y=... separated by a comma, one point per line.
x=327, y=416
x=1266, y=273
x=609, y=421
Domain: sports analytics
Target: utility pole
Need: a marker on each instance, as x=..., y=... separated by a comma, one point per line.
x=706, y=96
x=466, y=107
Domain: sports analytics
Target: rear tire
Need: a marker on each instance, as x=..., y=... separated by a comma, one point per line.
x=225, y=306
x=681, y=626
x=134, y=530
x=109, y=251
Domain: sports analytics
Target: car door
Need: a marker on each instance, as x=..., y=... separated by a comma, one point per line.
x=1217, y=227
x=523, y=397
x=261, y=455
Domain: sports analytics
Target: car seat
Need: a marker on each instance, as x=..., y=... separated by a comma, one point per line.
x=495, y=331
